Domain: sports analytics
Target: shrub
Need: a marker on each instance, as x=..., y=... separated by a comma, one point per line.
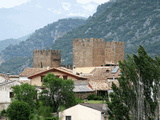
x=18, y=110
x=94, y=97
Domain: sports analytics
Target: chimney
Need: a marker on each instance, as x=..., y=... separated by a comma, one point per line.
x=74, y=69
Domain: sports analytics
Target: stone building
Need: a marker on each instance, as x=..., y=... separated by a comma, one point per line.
x=46, y=58
x=96, y=52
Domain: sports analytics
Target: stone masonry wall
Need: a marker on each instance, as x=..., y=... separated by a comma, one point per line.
x=95, y=52
x=46, y=58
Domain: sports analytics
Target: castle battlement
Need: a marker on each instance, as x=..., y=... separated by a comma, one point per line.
x=47, y=58
x=94, y=52
x=80, y=40
x=115, y=43
x=47, y=52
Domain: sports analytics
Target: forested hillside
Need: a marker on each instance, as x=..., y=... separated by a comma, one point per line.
x=17, y=57
x=135, y=22
x=41, y=38
x=7, y=42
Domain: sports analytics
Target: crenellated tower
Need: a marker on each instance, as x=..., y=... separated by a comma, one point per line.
x=46, y=58
x=114, y=52
x=96, y=52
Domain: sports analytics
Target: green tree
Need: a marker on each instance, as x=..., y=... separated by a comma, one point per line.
x=137, y=96
x=60, y=92
x=18, y=110
x=26, y=93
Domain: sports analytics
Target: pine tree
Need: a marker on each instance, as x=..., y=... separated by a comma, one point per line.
x=138, y=90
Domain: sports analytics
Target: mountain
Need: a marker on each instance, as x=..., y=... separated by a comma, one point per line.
x=15, y=58
x=135, y=22
x=34, y=14
x=41, y=38
x=7, y=42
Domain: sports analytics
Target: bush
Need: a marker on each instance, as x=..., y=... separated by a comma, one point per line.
x=2, y=113
x=94, y=97
x=18, y=110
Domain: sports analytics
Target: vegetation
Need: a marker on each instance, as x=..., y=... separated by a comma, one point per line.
x=95, y=101
x=59, y=93
x=94, y=97
x=25, y=93
x=137, y=96
x=18, y=110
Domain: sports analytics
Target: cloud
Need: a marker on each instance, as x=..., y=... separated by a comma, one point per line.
x=96, y=1
x=66, y=6
x=11, y=3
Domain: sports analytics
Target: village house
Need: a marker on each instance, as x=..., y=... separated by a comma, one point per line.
x=93, y=66
x=6, y=93
x=34, y=76
x=84, y=111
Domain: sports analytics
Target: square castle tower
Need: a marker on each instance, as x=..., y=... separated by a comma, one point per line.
x=46, y=58
x=96, y=52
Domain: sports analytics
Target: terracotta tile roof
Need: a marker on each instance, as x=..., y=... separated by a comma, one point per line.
x=99, y=73
x=102, y=84
x=31, y=71
x=99, y=85
x=66, y=71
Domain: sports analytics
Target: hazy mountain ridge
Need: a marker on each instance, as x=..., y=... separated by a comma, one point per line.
x=133, y=22
x=41, y=38
x=7, y=42
x=34, y=14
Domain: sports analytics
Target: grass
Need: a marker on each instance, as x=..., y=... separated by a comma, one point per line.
x=94, y=101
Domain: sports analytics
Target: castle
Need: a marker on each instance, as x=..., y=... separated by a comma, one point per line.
x=96, y=52
x=46, y=58
x=86, y=53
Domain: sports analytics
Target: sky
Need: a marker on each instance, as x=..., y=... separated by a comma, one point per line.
x=12, y=3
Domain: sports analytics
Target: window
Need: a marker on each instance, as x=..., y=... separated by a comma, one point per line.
x=11, y=95
x=68, y=117
x=65, y=77
x=42, y=78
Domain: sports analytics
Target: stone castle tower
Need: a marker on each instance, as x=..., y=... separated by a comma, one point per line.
x=46, y=58
x=96, y=52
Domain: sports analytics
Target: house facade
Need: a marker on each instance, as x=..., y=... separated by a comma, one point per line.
x=84, y=111
x=6, y=93
x=36, y=78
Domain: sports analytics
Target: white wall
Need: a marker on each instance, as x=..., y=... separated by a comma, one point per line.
x=80, y=112
x=5, y=94
x=23, y=78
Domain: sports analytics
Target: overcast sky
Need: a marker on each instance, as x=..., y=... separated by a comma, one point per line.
x=12, y=3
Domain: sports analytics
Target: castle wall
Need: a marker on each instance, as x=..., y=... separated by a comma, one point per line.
x=46, y=58
x=95, y=52
x=83, y=52
x=114, y=52
x=98, y=52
